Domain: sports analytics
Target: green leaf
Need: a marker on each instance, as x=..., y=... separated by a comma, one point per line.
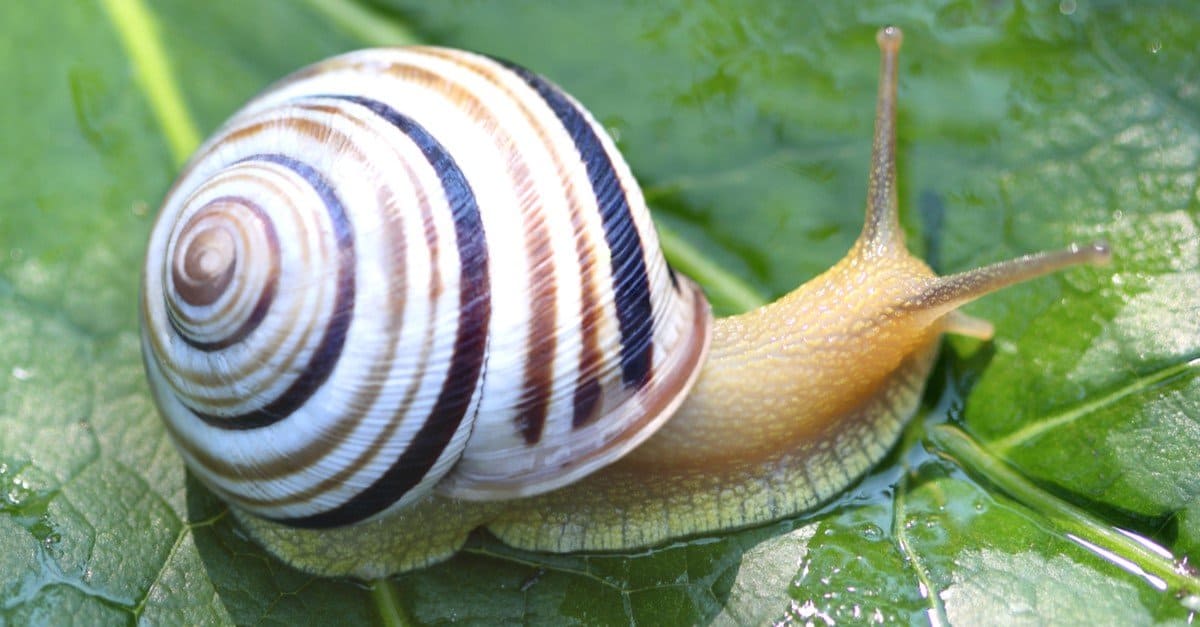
x=1023, y=126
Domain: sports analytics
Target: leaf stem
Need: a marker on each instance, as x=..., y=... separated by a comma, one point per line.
x=936, y=613
x=1134, y=554
x=140, y=37
x=391, y=612
x=1034, y=430
x=722, y=286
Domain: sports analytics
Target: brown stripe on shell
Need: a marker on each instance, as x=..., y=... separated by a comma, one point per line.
x=320, y=363
x=206, y=294
x=586, y=402
x=591, y=357
x=203, y=272
x=468, y=358
x=308, y=456
x=268, y=229
x=668, y=391
x=588, y=391
x=210, y=378
x=221, y=378
x=542, y=337
x=338, y=430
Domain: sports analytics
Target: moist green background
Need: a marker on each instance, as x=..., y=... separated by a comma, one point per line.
x=1023, y=126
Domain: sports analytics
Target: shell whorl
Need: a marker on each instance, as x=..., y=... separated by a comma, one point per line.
x=403, y=268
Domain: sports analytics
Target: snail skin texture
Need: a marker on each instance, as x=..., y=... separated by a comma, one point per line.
x=406, y=293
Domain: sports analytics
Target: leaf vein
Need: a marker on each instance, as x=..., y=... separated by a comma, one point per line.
x=1002, y=446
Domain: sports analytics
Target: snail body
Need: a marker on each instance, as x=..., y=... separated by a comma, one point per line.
x=409, y=292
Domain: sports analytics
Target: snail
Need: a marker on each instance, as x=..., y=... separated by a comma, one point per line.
x=405, y=293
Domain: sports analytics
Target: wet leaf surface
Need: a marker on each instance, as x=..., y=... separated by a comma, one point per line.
x=1023, y=126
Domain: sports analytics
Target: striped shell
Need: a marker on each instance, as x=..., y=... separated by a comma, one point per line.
x=402, y=268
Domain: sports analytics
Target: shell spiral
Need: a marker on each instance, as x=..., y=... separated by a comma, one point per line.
x=406, y=269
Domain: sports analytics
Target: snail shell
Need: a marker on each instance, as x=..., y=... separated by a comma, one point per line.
x=403, y=268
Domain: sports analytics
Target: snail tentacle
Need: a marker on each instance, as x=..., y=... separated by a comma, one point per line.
x=881, y=231
x=948, y=293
